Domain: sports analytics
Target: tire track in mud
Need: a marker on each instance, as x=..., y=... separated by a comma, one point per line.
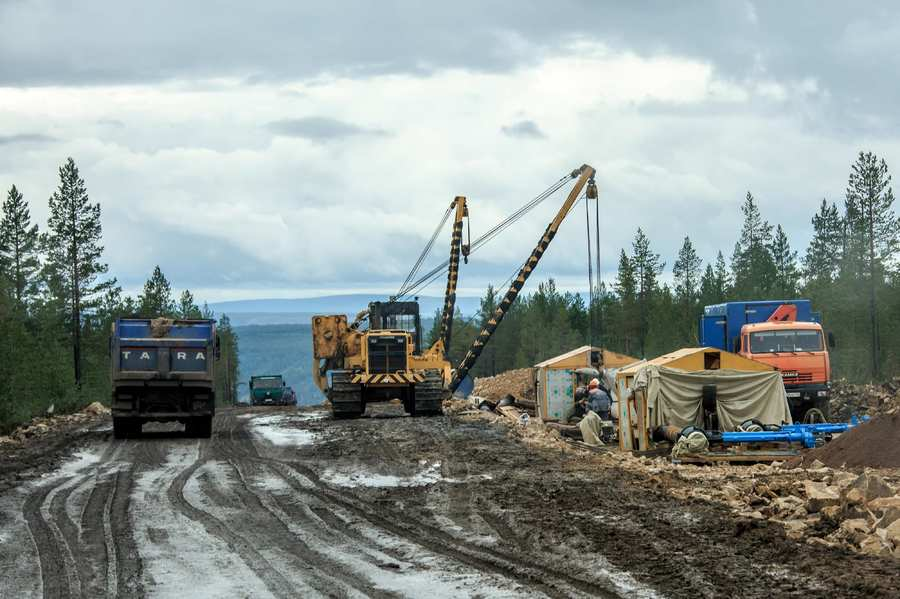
x=65, y=547
x=326, y=572
x=54, y=571
x=274, y=581
x=486, y=559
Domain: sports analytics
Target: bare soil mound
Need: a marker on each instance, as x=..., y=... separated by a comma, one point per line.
x=512, y=382
x=874, y=444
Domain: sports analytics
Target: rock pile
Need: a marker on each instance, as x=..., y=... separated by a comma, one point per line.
x=861, y=512
x=512, y=382
x=848, y=399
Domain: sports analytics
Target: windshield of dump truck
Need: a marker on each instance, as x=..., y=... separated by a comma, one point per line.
x=767, y=342
x=266, y=383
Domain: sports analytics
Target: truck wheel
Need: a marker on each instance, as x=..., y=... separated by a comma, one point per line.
x=199, y=426
x=124, y=428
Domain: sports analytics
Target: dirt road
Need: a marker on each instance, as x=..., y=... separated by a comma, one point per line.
x=284, y=503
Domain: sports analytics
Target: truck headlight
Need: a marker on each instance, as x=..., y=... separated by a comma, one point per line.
x=822, y=393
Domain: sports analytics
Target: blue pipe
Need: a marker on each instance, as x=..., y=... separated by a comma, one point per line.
x=804, y=436
x=826, y=428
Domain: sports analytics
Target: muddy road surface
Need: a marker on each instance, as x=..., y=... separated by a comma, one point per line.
x=287, y=503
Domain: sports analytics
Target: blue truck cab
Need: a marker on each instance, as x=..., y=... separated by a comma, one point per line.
x=163, y=370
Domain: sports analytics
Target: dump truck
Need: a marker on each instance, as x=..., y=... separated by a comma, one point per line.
x=786, y=334
x=379, y=356
x=163, y=370
x=268, y=390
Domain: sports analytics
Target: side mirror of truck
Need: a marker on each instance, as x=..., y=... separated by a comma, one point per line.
x=830, y=340
x=218, y=347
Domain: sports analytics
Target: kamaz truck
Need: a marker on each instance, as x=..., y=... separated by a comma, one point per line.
x=785, y=334
x=268, y=390
x=163, y=370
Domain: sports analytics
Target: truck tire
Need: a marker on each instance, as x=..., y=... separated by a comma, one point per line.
x=199, y=427
x=125, y=428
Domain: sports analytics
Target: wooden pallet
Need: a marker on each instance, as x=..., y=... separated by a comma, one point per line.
x=738, y=455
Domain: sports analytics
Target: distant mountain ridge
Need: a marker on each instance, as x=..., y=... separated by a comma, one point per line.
x=299, y=310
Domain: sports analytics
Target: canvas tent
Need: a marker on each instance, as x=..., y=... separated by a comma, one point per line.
x=632, y=409
x=674, y=397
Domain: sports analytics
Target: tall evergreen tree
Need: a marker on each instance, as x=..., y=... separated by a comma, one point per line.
x=626, y=288
x=752, y=264
x=186, y=306
x=873, y=232
x=687, y=278
x=487, y=307
x=723, y=279
x=73, y=251
x=822, y=261
x=787, y=273
x=647, y=267
x=156, y=299
x=19, y=248
x=686, y=272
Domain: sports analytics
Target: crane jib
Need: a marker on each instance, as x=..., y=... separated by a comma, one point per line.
x=585, y=176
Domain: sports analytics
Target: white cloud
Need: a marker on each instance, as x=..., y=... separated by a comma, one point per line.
x=192, y=176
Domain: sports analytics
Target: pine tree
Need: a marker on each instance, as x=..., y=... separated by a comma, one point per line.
x=626, y=288
x=156, y=299
x=873, y=233
x=186, y=306
x=787, y=273
x=73, y=252
x=647, y=267
x=228, y=360
x=19, y=248
x=487, y=307
x=686, y=272
x=723, y=279
x=752, y=264
x=821, y=264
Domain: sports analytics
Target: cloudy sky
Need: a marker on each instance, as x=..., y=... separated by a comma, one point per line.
x=286, y=149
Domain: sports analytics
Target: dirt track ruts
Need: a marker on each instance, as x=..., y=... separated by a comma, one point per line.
x=345, y=511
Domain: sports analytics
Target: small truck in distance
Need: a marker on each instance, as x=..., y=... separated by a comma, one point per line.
x=163, y=370
x=268, y=390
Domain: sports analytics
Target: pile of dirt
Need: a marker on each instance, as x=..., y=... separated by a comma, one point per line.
x=848, y=399
x=873, y=444
x=512, y=382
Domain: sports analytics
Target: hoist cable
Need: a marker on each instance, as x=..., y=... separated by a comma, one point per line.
x=408, y=289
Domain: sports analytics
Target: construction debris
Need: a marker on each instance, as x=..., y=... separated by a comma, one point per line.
x=848, y=399
x=42, y=425
x=517, y=383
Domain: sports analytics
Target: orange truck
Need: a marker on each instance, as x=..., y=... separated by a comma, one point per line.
x=786, y=334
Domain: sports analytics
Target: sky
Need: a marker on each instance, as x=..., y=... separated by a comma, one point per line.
x=291, y=149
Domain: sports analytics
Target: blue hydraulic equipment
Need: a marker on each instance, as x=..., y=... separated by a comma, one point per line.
x=807, y=438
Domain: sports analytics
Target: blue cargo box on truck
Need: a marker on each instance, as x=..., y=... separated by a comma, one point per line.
x=720, y=325
x=163, y=370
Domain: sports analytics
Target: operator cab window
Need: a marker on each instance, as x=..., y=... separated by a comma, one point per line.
x=770, y=342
